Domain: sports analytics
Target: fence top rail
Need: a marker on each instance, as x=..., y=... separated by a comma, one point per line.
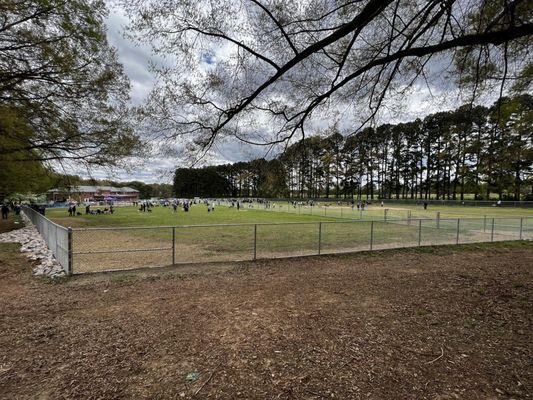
x=31, y=210
x=251, y=224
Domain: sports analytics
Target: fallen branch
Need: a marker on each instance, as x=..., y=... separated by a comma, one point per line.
x=207, y=381
x=439, y=357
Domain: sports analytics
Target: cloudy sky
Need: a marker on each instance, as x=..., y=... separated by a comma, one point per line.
x=136, y=59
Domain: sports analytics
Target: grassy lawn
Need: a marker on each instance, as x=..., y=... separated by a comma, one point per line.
x=163, y=216
x=376, y=212
x=330, y=229
x=283, y=212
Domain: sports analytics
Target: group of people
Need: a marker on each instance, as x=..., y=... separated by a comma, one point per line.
x=185, y=205
x=6, y=208
x=235, y=204
x=73, y=210
x=146, y=207
x=99, y=211
x=361, y=205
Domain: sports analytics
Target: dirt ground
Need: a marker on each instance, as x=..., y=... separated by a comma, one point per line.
x=430, y=323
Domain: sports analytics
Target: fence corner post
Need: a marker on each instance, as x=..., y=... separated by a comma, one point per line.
x=419, y=232
x=521, y=227
x=492, y=231
x=255, y=242
x=457, y=238
x=319, y=237
x=371, y=235
x=69, y=251
x=173, y=245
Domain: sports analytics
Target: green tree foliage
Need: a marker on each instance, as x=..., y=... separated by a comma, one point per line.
x=447, y=155
x=63, y=94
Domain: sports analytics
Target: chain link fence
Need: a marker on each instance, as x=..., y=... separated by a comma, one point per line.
x=57, y=238
x=102, y=249
x=339, y=211
x=82, y=250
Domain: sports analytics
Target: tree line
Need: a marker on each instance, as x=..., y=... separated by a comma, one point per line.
x=484, y=151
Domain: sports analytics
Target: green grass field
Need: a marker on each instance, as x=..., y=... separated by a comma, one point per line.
x=163, y=216
x=400, y=211
x=282, y=231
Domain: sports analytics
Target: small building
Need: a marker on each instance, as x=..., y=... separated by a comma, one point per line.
x=85, y=193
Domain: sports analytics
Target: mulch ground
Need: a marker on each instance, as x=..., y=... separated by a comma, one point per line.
x=412, y=324
x=11, y=223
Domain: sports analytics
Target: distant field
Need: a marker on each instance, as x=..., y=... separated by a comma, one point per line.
x=109, y=244
x=376, y=212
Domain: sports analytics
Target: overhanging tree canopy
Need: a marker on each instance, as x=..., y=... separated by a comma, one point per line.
x=264, y=70
x=63, y=82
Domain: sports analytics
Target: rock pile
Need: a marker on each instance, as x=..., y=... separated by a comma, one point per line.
x=35, y=248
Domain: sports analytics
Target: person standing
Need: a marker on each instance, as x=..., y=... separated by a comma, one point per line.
x=5, y=211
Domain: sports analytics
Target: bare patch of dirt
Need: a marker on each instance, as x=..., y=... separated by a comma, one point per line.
x=10, y=224
x=426, y=324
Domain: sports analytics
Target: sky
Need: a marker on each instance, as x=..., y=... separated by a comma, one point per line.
x=136, y=59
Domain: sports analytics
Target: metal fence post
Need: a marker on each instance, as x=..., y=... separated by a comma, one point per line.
x=419, y=232
x=371, y=235
x=319, y=237
x=521, y=228
x=385, y=211
x=492, y=231
x=438, y=219
x=173, y=245
x=255, y=242
x=484, y=223
x=70, y=263
x=457, y=238
x=57, y=246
